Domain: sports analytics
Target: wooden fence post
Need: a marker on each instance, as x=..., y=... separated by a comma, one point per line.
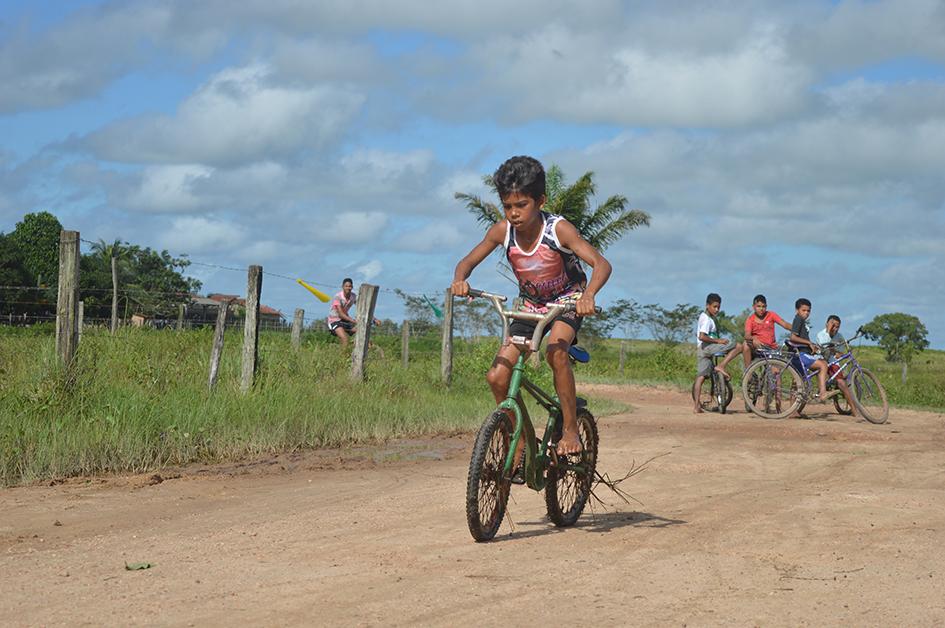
x=623, y=355
x=81, y=323
x=251, y=328
x=114, y=324
x=297, y=327
x=180, y=316
x=367, y=300
x=446, y=354
x=67, y=304
x=405, y=343
x=216, y=350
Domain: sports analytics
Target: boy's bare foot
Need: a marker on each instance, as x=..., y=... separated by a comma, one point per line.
x=697, y=410
x=722, y=371
x=569, y=444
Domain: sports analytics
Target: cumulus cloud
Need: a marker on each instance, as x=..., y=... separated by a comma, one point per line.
x=167, y=189
x=198, y=235
x=238, y=116
x=351, y=227
x=435, y=236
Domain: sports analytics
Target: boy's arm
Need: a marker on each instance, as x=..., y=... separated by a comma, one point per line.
x=706, y=338
x=802, y=341
x=495, y=236
x=570, y=238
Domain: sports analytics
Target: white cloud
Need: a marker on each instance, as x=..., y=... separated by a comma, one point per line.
x=435, y=236
x=351, y=228
x=238, y=116
x=167, y=189
x=197, y=235
x=370, y=270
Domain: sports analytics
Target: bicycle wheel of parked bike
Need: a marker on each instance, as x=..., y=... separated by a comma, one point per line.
x=569, y=484
x=772, y=389
x=842, y=405
x=487, y=492
x=716, y=393
x=869, y=396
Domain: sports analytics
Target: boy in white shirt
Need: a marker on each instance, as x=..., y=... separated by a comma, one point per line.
x=708, y=344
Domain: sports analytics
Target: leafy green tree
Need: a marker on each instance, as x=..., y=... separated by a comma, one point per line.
x=901, y=335
x=12, y=274
x=600, y=226
x=36, y=237
x=419, y=313
x=671, y=327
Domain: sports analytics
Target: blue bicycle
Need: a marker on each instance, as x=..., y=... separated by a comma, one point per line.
x=777, y=385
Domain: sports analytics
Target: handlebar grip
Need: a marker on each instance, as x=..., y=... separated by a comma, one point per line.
x=474, y=293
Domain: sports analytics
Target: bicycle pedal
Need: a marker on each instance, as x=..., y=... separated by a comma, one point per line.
x=518, y=476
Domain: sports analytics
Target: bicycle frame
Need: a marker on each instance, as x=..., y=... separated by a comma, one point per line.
x=844, y=361
x=537, y=456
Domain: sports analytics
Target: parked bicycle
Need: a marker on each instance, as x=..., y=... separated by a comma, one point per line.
x=716, y=392
x=566, y=480
x=777, y=384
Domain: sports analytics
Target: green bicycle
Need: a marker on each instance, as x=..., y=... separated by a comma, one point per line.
x=566, y=480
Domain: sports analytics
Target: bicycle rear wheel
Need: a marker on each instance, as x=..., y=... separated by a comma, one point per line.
x=869, y=396
x=569, y=483
x=487, y=492
x=772, y=389
x=842, y=405
x=722, y=390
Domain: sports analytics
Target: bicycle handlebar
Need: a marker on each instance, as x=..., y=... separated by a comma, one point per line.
x=541, y=320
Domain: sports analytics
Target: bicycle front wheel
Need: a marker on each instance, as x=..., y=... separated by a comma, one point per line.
x=723, y=391
x=869, y=396
x=487, y=492
x=772, y=389
x=569, y=483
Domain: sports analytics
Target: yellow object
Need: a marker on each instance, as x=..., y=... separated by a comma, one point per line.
x=324, y=298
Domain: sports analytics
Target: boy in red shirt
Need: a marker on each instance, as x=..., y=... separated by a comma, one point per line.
x=759, y=329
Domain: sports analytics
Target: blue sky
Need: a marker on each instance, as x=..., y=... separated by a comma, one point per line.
x=792, y=149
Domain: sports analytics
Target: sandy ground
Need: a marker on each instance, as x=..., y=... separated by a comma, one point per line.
x=823, y=521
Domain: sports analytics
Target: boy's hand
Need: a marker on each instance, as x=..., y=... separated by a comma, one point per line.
x=460, y=288
x=585, y=305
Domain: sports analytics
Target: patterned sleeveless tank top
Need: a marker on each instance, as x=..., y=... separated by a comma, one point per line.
x=549, y=272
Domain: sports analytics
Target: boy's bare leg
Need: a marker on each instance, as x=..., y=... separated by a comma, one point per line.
x=342, y=336
x=499, y=377
x=746, y=353
x=821, y=367
x=842, y=384
x=728, y=358
x=559, y=341
x=696, y=387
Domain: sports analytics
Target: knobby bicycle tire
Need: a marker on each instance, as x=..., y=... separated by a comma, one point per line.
x=869, y=396
x=567, y=490
x=487, y=491
x=768, y=402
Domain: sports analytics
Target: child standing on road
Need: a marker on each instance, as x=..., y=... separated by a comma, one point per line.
x=545, y=252
x=708, y=344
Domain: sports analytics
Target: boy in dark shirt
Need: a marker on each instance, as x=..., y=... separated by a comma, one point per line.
x=809, y=352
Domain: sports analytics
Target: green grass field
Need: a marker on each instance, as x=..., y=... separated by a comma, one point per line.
x=139, y=400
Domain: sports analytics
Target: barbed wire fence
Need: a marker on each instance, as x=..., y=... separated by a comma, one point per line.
x=75, y=309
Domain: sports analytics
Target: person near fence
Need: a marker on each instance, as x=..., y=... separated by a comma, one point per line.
x=708, y=344
x=340, y=322
x=545, y=252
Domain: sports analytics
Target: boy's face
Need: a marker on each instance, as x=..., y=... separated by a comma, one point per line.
x=833, y=326
x=347, y=287
x=520, y=209
x=760, y=309
x=713, y=308
x=803, y=311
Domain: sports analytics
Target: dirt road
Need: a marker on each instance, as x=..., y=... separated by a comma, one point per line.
x=745, y=521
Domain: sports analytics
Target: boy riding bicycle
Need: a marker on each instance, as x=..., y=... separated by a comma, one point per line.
x=545, y=252
x=829, y=338
x=709, y=344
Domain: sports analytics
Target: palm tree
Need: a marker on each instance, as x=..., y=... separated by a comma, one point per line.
x=112, y=252
x=601, y=226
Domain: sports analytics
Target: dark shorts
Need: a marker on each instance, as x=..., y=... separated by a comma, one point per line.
x=345, y=325
x=527, y=328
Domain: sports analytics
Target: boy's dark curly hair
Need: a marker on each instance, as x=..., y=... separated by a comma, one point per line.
x=521, y=174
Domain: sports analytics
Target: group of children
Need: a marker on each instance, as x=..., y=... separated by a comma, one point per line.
x=759, y=336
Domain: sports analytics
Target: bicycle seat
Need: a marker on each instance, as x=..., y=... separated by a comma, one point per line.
x=579, y=354
x=718, y=355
